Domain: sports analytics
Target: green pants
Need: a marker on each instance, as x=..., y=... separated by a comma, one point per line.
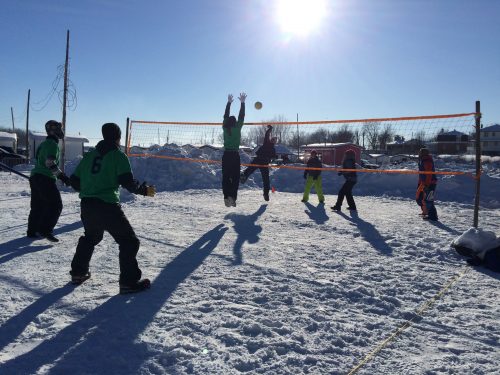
x=317, y=186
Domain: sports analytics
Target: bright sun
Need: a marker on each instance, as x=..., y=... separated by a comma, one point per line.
x=300, y=17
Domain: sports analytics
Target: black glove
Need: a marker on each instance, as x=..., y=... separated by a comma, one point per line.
x=340, y=173
x=315, y=178
x=146, y=190
x=65, y=179
x=305, y=175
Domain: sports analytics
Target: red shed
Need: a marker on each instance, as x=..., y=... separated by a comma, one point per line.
x=332, y=153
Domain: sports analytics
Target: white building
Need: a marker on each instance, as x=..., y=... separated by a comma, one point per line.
x=490, y=140
x=74, y=144
x=8, y=140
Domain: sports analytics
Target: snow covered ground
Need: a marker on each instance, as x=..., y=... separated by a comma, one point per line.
x=277, y=287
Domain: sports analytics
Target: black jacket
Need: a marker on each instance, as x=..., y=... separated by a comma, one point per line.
x=349, y=164
x=313, y=162
x=267, y=150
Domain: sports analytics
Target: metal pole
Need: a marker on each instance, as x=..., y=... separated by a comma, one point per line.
x=298, y=139
x=126, y=137
x=65, y=96
x=12, y=115
x=27, y=126
x=478, y=163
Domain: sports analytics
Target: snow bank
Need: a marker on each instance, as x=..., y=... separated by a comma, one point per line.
x=174, y=175
x=178, y=175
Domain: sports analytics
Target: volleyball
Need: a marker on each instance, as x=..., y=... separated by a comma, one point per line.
x=258, y=105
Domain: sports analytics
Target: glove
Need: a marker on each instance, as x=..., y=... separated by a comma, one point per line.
x=242, y=97
x=340, y=173
x=230, y=98
x=146, y=190
x=315, y=178
x=65, y=179
x=305, y=175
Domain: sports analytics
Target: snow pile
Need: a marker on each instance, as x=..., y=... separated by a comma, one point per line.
x=175, y=175
x=477, y=240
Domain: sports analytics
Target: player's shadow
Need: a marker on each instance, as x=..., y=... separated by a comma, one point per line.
x=16, y=325
x=247, y=231
x=317, y=213
x=369, y=233
x=24, y=245
x=68, y=228
x=105, y=340
x=442, y=226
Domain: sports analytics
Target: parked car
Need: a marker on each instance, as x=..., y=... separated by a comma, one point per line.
x=366, y=164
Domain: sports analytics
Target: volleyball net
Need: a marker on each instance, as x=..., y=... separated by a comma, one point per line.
x=388, y=141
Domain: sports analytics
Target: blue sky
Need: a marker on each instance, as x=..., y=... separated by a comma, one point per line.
x=177, y=60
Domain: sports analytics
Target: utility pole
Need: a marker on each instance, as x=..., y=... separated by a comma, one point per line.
x=12, y=115
x=65, y=96
x=27, y=126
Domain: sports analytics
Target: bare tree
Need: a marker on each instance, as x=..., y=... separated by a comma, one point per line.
x=343, y=135
x=385, y=136
x=371, y=133
x=356, y=137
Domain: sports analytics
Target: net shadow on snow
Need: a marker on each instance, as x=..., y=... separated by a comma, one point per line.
x=108, y=334
x=369, y=233
x=318, y=214
x=247, y=231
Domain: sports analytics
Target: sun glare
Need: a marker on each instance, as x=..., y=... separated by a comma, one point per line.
x=300, y=17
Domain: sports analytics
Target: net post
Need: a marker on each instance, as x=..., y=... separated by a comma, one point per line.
x=478, y=162
x=126, y=136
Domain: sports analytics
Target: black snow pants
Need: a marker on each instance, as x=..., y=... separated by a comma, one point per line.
x=264, y=171
x=46, y=204
x=230, y=173
x=97, y=217
x=346, y=191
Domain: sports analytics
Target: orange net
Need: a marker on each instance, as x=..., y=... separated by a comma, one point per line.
x=383, y=141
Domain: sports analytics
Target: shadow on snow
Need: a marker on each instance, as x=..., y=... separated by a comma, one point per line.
x=104, y=341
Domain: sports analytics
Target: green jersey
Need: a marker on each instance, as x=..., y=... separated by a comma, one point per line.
x=232, y=141
x=47, y=156
x=232, y=136
x=99, y=174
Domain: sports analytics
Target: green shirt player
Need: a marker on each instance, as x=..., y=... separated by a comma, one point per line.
x=98, y=178
x=231, y=158
x=46, y=204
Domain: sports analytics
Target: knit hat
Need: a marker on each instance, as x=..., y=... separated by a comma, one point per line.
x=111, y=131
x=53, y=127
x=314, y=152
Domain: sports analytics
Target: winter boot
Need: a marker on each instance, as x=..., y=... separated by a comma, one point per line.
x=336, y=208
x=50, y=237
x=78, y=279
x=139, y=286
